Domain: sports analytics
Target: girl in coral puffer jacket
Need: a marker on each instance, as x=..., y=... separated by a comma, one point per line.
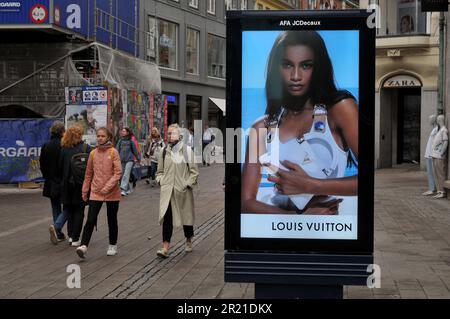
x=103, y=173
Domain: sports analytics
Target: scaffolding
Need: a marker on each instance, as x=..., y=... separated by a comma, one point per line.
x=36, y=77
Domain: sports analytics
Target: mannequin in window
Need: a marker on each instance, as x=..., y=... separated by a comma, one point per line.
x=406, y=24
x=439, y=154
x=429, y=160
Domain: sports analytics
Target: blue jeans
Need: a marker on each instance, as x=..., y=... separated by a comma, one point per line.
x=59, y=215
x=125, y=182
x=431, y=182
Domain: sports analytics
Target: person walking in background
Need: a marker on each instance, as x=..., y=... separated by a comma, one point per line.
x=207, y=138
x=135, y=175
x=73, y=148
x=177, y=174
x=190, y=140
x=128, y=152
x=49, y=158
x=152, y=150
x=103, y=173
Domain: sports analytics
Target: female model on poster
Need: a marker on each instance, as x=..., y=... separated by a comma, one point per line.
x=300, y=89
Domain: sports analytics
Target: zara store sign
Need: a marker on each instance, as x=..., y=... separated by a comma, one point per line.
x=398, y=81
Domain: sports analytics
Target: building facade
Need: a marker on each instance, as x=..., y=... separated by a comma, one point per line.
x=274, y=4
x=407, y=61
x=186, y=39
x=39, y=37
x=328, y=4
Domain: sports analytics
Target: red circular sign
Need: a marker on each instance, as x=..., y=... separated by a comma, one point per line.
x=38, y=13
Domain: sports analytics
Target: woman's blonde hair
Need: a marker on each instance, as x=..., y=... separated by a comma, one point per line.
x=72, y=136
x=155, y=133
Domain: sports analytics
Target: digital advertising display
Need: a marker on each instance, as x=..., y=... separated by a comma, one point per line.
x=301, y=87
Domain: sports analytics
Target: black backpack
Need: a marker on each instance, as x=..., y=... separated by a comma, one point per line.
x=78, y=164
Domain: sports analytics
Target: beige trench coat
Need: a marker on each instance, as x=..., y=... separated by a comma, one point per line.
x=177, y=179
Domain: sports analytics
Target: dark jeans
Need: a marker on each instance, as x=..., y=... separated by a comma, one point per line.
x=94, y=209
x=168, y=227
x=152, y=171
x=59, y=215
x=75, y=217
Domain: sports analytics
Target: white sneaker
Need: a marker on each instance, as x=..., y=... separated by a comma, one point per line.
x=123, y=193
x=439, y=195
x=112, y=250
x=188, y=247
x=76, y=243
x=428, y=193
x=82, y=251
x=70, y=241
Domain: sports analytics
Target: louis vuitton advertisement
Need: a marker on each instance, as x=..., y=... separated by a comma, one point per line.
x=300, y=104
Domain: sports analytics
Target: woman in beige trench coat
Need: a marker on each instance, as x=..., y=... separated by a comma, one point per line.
x=177, y=174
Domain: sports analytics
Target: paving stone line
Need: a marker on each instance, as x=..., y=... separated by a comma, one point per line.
x=144, y=278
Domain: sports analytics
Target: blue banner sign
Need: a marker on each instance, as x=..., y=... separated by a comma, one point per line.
x=25, y=12
x=20, y=147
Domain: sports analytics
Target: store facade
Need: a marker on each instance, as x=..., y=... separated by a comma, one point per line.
x=407, y=68
x=186, y=39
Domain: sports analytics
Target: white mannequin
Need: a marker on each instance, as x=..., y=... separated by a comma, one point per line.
x=429, y=160
x=439, y=154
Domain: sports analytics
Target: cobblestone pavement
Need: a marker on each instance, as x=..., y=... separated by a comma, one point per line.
x=412, y=242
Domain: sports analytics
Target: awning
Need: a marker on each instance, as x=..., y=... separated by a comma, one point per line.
x=220, y=103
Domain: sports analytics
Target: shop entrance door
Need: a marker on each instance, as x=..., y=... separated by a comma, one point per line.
x=408, y=126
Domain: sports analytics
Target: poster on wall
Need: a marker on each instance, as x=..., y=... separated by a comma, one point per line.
x=158, y=113
x=299, y=103
x=137, y=115
x=117, y=114
x=87, y=107
x=20, y=147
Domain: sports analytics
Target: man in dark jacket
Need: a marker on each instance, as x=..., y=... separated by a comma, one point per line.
x=49, y=158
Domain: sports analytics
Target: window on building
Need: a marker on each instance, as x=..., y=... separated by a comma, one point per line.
x=151, y=37
x=162, y=43
x=216, y=56
x=212, y=6
x=193, y=109
x=402, y=17
x=192, y=51
x=236, y=4
x=193, y=3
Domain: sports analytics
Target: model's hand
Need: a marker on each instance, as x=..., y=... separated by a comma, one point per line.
x=292, y=182
x=318, y=206
x=84, y=196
